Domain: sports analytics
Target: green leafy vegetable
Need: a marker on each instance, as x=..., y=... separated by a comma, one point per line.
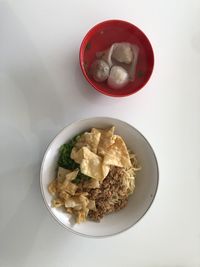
x=80, y=178
x=88, y=46
x=66, y=162
x=140, y=74
x=65, y=151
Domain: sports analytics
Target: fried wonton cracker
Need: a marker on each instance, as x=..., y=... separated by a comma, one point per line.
x=71, y=176
x=106, y=140
x=92, y=165
x=68, y=187
x=117, y=154
x=62, y=172
x=89, y=140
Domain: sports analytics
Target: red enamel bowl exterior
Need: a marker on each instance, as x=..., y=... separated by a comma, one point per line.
x=101, y=37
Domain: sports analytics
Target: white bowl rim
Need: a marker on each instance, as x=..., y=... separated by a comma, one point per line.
x=43, y=195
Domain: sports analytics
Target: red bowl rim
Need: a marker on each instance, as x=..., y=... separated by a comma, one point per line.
x=91, y=82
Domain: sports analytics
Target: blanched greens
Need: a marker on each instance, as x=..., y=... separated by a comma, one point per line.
x=66, y=162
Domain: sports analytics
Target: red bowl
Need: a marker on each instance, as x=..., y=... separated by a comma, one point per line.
x=101, y=37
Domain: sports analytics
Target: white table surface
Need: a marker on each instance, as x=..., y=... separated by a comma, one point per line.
x=42, y=90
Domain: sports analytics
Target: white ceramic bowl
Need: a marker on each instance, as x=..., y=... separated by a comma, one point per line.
x=146, y=180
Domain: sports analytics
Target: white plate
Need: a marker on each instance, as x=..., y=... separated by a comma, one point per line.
x=146, y=180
